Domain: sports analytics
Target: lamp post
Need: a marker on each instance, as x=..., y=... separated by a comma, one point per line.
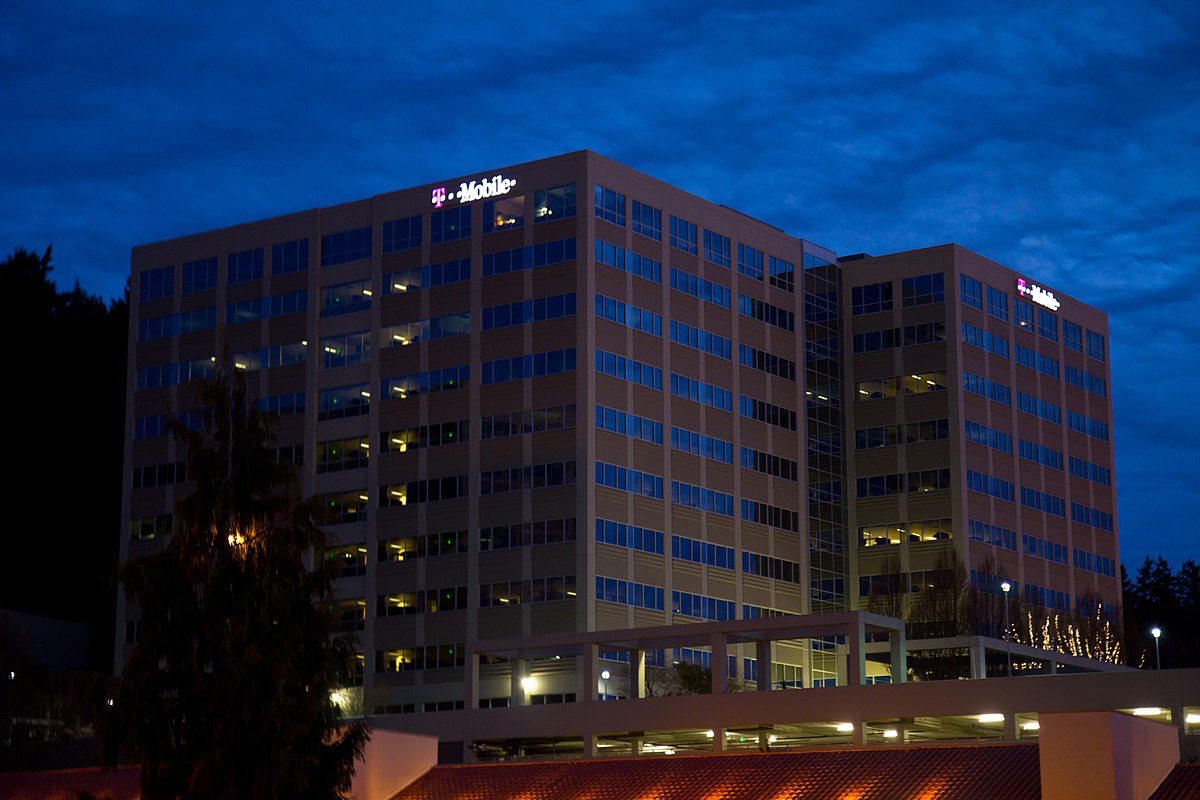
x=1006, y=587
x=1156, y=632
x=604, y=676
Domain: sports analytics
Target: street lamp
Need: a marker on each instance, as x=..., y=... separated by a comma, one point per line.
x=1006, y=587
x=1156, y=632
x=604, y=676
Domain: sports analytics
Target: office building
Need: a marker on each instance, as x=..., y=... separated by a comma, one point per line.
x=563, y=397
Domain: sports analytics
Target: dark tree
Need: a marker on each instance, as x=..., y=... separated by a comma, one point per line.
x=67, y=350
x=228, y=690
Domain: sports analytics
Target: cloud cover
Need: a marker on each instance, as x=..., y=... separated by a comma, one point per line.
x=1059, y=140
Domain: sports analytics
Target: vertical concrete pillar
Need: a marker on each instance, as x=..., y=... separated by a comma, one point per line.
x=586, y=673
x=762, y=653
x=899, y=651
x=471, y=688
x=856, y=657
x=719, y=663
x=637, y=674
x=518, y=696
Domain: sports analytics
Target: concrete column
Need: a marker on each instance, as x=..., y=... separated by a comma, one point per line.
x=899, y=656
x=471, y=688
x=978, y=661
x=719, y=664
x=586, y=673
x=518, y=697
x=762, y=652
x=856, y=658
x=637, y=674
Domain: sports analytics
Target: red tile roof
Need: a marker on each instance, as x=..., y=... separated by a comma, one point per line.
x=1183, y=783
x=66, y=784
x=978, y=772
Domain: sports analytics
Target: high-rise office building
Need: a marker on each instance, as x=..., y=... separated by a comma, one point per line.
x=966, y=376
x=564, y=396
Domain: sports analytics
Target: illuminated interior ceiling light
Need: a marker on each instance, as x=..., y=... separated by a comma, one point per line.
x=991, y=718
x=891, y=733
x=1147, y=712
x=845, y=727
x=1031, y=726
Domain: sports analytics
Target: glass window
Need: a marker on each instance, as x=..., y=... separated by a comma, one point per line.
x=610, y=206
x=923, y=289
x=554, y=203
x=503, y=214
x=402, y=234
x=647, y=220
x=450, y=224
x=683, y=235
x=340, y=248
x=199, y=275
x=716, y=248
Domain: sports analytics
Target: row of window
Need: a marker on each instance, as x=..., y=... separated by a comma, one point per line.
x=535, y=420
x=928, y=530
x=920, y=481
x=930, y=430
x=633, y=537
x=532, y=476
x=916, y=383
x=625, y=314
x=889, y=338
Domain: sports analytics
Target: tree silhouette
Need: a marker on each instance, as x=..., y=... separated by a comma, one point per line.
x=228, y=690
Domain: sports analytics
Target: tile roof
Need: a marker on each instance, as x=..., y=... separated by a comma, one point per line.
x=1183, y=783
x=976, y=772
x=124, y=783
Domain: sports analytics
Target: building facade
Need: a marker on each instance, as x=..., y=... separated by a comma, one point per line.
x=564, y=396
x=969, y=377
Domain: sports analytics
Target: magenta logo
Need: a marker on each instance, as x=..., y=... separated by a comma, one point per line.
x=439, y=196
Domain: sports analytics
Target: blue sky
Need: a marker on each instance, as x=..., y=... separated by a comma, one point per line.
x=1060, y=140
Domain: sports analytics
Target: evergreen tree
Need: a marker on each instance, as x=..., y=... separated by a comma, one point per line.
x=228, y=690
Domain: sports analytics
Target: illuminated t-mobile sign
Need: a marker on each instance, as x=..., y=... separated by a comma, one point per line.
x=474, y=190
x=1037, y=294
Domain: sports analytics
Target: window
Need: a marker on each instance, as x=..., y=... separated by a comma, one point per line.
x=1022, y=314
x=922, y=289
x=340, y=248
x=289, y=257
x=342, y=454
x=1047, y=324
x=716, y=248
x=871, y=298
x=345, y=350
x=683, y=235
x=506, y=213
x=244, y=266
x=345, y=298
x=700, y=288
x=750, y=261
x=610, y=206
x=1072, y=336
x=557, y=202
x=343, y=401
x=156, y=283
x=199, y=275
x=450, y=224
x=647, y=220
x=972, y=292
x=997, y=303
x=782, y=274
x=402, y=234
x=1095, y=345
